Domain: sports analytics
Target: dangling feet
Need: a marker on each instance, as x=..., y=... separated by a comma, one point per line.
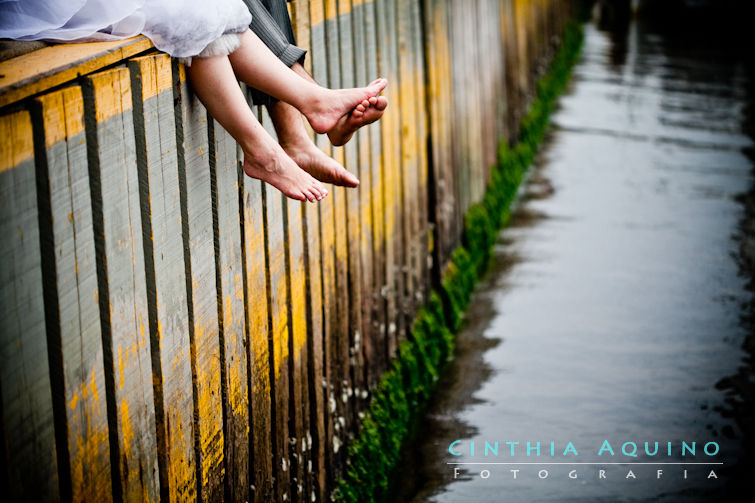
x=318, y=164
x=325, y=112
x=279, y=170
x=365, y=113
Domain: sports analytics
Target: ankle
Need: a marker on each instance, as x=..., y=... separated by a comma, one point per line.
x=261, y=155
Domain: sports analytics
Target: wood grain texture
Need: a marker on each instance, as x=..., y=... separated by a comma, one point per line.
x=158, y=171
x=224, y=166
x=110, y=144
x=189, y=333
x=363, y=336
x=339, y=371
x=62, y=115
x=279, y=330
x=409, y=166
x=352, y=226
x=321, y=251
x=50, y=66
x=198, y=245
x=24, y=373
x=259, y=358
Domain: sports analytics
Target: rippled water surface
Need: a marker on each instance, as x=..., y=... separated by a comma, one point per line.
x=616, y=306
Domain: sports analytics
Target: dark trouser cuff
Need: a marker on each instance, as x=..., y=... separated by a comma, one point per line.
x=271, y=23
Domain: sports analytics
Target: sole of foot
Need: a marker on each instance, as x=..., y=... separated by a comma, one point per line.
x=283, y=174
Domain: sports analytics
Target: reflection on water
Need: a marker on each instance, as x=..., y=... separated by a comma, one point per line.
x=620, y=297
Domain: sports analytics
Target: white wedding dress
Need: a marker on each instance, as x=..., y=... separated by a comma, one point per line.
x=182, y=28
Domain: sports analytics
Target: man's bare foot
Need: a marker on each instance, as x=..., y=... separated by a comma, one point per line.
x=318, y=164
x=280, y=171
x=365, y=113
x=324, y=112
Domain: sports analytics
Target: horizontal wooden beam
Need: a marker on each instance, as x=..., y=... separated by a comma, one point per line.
x=38, y=71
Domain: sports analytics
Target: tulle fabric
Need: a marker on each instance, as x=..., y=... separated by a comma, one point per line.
x=182, y=28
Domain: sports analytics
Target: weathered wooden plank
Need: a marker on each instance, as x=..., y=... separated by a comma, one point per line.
x=201, y=293
x=227, y=236
x=523, y=50
x=300, y=279
x=436, y=43
x=257, y=329
x=421, y=233
x=62, y=119
x=279, y=330
x=316, y=443
x=121, y=280
x=511, y=61
x=297, y=348
x=474, y=118
x=24, y=372
x=339, y=371
x=375, y=353
x=409, y=158
x=352, y=224
x=392, y=190
x=487, y=72
x=155, y=135
x=321, y=250
x=362, y=344
x=51, y=66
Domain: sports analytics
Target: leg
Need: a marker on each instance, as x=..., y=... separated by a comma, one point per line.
x=271, y=23
x=365, y=113
x=296, y=143
x=254, y=64
x=214, y=82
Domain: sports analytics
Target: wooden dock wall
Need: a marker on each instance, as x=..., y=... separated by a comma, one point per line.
x=173, y=330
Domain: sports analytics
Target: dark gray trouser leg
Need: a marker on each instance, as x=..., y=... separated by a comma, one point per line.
x=270, y=22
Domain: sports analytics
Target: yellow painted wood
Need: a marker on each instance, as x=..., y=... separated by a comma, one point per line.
x=259, y=357
x=126, y=297
x=27, y=408
x=321, y=253
x=288, y=312
x=195, y=179
x=62, y=115
x=231, y=303
x=279, y=330
x=46, y=68
x=17, y=145
x=159, y=177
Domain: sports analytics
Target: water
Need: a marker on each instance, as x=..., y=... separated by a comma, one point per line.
x=618, y=299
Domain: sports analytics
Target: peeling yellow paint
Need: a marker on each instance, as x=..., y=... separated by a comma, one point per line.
x=112, y=93
x=120, y=367
x=127, y=432
x=16, y=144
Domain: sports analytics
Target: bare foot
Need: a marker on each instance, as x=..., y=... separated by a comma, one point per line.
x=280, y=171
x=318, y=164
x=324, y=112
x=365, y=113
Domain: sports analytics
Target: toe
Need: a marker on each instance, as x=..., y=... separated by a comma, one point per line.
x=361, y=108
x=373, y=100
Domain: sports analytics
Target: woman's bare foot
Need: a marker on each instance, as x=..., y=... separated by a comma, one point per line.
x=318, y=164
x=280, y=171
x=365, y=113
x=324, y=112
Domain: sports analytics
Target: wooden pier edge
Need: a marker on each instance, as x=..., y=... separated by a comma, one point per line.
x=173, y=330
